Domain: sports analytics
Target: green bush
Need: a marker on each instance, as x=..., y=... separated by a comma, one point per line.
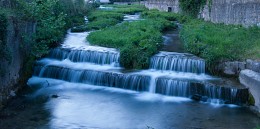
x=157, y=14
x=102, y=23
x=137, y=41
x=127, y=9
x=192, y=7
x=219, y=42
x=104, y=14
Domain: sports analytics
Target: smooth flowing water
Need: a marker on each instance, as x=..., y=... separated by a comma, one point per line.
x=82, y=86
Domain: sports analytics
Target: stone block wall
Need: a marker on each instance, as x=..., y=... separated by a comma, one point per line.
x=245, y=12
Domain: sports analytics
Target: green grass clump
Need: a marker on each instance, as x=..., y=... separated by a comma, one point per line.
x=137, y=41
x=101, y=19
x=128, y=9
x=219, y=42
x=104, y=14
x=154, y=13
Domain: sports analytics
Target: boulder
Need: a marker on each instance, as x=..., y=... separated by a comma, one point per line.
x=251, y=79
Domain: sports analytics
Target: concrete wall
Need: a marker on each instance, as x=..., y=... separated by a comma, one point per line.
x=245, y=12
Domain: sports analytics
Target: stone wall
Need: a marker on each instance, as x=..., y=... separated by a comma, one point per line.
x=233, y=68
x=245, y=12
x=163, y=5
x=12, y=71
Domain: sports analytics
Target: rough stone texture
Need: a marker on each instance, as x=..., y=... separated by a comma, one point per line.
x=234, y=68
x=253, y=65
x=251, y=80
x=231, y=68
x=163, y=5
x=245, y=12
x=12, y=71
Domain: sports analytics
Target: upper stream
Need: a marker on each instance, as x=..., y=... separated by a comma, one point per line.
x=82, y=86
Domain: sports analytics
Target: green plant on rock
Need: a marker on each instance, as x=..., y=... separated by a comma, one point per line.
x=50, y=24
x=192, y=7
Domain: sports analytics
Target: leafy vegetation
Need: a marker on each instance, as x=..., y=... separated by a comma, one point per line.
x=127, y=9
x=100, y=19
x=192, y=7
x=137, y=41
x=154, y=13
x=51, y=19
x=219, y=42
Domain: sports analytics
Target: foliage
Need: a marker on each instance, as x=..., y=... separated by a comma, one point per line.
x=137, y=41
x=101, y=19
x=258, y=127
x=219, y=42
x=127, y=9
x=192, y=7
x=50, y=24
x=154, y=13
x=53, y=17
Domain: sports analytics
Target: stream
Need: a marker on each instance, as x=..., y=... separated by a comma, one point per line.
x=79, y=86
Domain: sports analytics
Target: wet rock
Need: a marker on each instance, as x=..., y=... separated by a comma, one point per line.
x=231, y=68
x=253, y=65
x=12, y=93
x=196, y=97
x=251, y=79
x=54, y=96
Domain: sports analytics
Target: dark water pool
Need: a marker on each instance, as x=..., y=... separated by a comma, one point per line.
x=80, y=106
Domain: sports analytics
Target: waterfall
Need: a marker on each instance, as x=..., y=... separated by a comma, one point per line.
x=180, y=62
x=170, y=73
x=205, y=90
x=101, y=78
x=97, y=57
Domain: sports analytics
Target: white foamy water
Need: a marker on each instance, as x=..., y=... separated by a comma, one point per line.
x=176, y=75
x=76, y=65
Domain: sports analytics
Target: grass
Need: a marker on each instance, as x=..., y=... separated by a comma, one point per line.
x=218, y=42
x=127, y=9
x=137, y=41
x=99, y=19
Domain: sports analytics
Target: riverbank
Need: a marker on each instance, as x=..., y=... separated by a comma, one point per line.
x=28, y=35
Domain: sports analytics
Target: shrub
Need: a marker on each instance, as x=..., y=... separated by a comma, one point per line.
x=192, y=7
x=137, y=41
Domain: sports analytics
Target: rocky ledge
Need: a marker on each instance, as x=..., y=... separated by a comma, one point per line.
x=234, y=68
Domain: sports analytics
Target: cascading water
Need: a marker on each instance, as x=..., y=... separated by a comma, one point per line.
x=170, y=73
x=180, y=62
x=97, y=57
x=78, y=81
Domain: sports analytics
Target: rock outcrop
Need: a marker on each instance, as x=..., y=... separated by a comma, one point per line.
x=233, y=68
x=251, y=80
